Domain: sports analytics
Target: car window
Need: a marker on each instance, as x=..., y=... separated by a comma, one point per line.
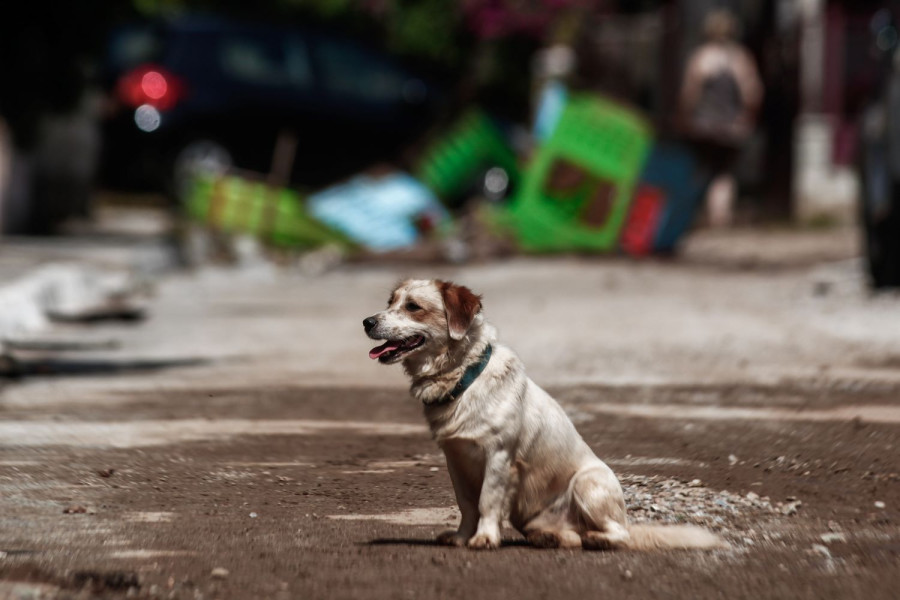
x=349, y=70
x=271, y=61
x=131, y=46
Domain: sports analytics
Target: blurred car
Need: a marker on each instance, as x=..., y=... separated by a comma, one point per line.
x=880, y=162
x=211, y=93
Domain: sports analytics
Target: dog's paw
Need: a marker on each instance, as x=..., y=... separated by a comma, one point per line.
x=451, y=538
x=597, y=540
x=544, y=539
x=484, y=541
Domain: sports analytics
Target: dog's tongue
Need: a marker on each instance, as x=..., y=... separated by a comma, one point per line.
x=385, y=347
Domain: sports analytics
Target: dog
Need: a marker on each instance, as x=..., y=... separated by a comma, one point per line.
x=511, y=450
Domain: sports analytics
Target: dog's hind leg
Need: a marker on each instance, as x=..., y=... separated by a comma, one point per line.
x=549, y=538
x=614, y=536
x=553, y=527
x=599, y=504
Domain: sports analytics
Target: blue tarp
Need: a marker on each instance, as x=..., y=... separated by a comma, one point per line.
x=381, y=213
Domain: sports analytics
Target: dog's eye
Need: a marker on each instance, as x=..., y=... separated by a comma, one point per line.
x=412, y=307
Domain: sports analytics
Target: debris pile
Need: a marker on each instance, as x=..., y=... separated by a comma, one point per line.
x=590, y=179
x=658, y=499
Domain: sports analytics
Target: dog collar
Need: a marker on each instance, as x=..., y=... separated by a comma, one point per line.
x=469, y=376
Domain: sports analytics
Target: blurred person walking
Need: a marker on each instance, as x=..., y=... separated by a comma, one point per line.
x=720, y=97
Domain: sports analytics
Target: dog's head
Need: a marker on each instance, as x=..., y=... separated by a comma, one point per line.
x=422, y=316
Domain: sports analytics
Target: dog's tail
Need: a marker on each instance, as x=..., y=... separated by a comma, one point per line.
x=664, y=537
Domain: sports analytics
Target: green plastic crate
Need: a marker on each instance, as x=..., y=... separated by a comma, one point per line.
x=577, y=190
x=275, y=215
x=473, y=144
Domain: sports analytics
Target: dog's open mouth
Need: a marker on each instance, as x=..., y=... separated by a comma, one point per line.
x=393, y=349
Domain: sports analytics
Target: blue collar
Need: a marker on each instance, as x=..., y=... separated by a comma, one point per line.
x=468, y=378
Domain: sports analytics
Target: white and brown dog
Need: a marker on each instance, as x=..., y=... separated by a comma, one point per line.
x=511, y=450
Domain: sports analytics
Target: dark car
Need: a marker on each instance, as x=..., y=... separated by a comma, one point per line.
x=216, y=93
x=880, y=161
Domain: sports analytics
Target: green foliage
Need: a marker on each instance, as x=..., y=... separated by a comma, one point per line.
x=425, y=28
x=157, y=8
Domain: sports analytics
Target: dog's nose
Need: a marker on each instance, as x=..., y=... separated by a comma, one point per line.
x=369, y=323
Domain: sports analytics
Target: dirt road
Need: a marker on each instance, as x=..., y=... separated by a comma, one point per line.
x=760, y=400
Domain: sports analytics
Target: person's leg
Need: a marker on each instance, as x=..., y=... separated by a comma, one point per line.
x=720, y=200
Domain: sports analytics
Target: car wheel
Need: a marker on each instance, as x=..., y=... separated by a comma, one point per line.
x=196, y=157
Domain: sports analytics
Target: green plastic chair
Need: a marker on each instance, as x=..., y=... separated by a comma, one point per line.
x=577, y=190
x=449, y=166
x=275, y=215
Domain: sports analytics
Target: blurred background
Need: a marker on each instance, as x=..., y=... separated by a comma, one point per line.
x=479, y=127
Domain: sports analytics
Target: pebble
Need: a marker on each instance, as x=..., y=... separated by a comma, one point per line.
x=830, y=538
x=627, y=575
x=732, y=459
x=879, y=504
x=791, y=508
x=253, y=515
x=656, y=499
x=219, y=573
x=820, y=549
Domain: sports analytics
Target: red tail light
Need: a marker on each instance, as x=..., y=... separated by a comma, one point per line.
x=151, y=85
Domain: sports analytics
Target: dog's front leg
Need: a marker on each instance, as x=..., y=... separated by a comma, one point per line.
x=492, y=502
x=466, y=488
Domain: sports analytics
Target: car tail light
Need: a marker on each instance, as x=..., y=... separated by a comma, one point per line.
x=151, y=85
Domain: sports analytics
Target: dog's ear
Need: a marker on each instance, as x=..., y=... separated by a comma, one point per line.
x=460, y=307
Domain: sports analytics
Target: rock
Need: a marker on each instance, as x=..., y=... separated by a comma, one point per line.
x=74, y=510
x=627, y=575
x=830, y=538
x=695, y=483
x=791, y=508
x=106, y=472
x=752, y=496
x=822, y=550
x=253, y=515
x=879, y=504
x=219, y=573
x=732, y=459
